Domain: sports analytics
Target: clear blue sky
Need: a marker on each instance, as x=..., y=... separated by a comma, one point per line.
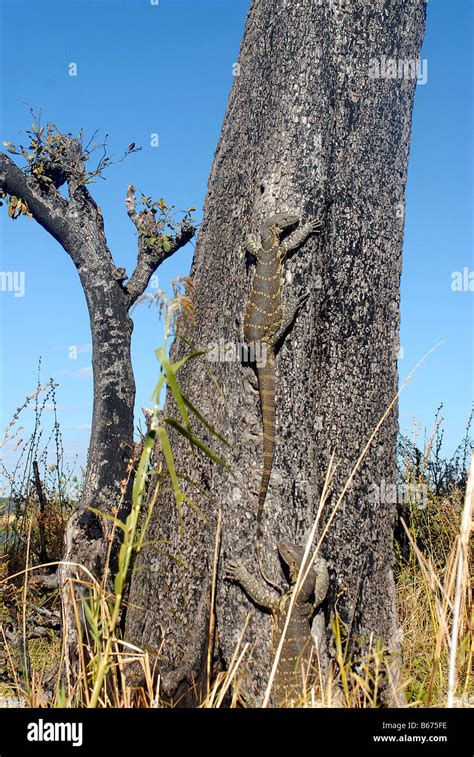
x=167, y=69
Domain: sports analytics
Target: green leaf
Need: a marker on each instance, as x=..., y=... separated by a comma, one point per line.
x=195, y=441
x=118, y=583
x=155, y=397
x=91, y=616
x=173, y=384
x=168, y=455
x=142, y=471
x=150, y=241
x=179, y=363
x=205, y=423
x=107, y=516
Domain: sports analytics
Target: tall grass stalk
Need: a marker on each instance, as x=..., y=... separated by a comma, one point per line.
x=461, y=579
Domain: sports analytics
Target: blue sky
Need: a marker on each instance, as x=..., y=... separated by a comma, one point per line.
x=167, y=69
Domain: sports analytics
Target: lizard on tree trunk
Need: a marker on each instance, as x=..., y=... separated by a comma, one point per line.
x=265, y=324
x=296, y=669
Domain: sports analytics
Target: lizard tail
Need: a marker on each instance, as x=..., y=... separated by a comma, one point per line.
x=266, y=383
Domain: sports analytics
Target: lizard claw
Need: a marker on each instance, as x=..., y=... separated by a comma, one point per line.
x=251, y=244
x=315, y=225
x=302, y=299
x=322, y=580
x=233, y=570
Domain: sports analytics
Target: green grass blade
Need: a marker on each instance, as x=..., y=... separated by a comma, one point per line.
x=107, y=516
x=168, y=455
x=173, y=384
x=194, y=440
x=179, y=363
x=204, y=422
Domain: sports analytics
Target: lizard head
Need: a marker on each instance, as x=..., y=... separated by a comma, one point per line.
x=292, y=555
x=276, y=225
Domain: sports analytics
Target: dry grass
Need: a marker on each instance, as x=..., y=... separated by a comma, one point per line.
x=434, y=604
x=426, y=594
x=426, y=591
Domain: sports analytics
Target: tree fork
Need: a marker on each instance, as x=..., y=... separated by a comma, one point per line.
x=77, y=224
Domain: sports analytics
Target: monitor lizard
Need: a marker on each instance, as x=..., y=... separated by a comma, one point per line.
x=296, y=669
x=265, y=324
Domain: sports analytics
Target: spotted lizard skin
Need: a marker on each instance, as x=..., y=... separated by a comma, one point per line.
x=265, y=323
x=297, y=665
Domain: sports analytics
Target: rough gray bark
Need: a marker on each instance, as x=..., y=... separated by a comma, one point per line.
x=308, y=129
x=77, y=225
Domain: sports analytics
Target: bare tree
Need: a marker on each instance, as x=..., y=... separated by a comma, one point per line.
x=52, y=160
x=318, y=122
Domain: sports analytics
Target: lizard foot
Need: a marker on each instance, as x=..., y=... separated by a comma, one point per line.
x=315, y=225
x=233, y=571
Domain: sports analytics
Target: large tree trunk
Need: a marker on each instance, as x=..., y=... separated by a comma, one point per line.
x=308, y=128
x=108, y=475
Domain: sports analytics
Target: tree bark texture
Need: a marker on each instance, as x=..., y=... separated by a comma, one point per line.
x=108, y=475
x=308, y=128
